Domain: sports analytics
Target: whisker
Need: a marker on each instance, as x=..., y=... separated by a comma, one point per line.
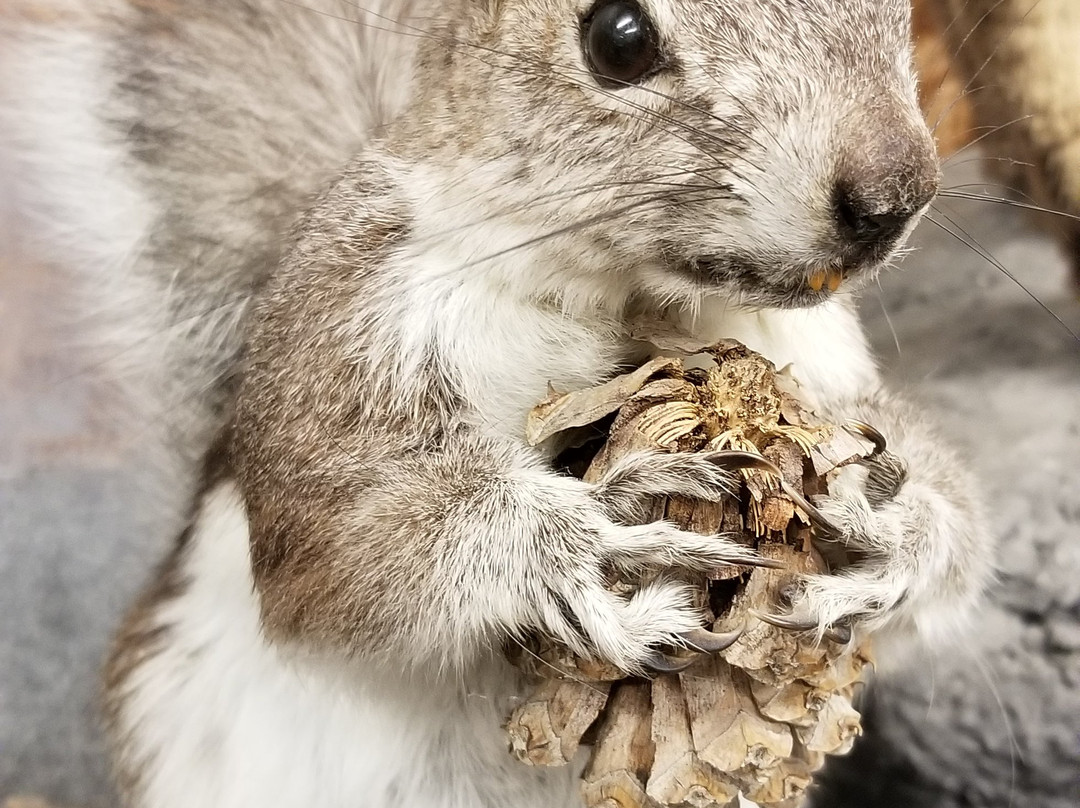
x=988, y=159
x=960, y=96
x=573, y=70
x=965, y=238
x=561, y=193
x=571, y=194
x=1016, y=24
x=558, y=671
x=992, y=130
x=955, y=55
x=1011, y=189
x=579, y=225
x=888, y=321
x=743, y=107
x=649, y=114
x=998, y=200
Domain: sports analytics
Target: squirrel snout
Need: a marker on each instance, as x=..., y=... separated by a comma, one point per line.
x=882, y=184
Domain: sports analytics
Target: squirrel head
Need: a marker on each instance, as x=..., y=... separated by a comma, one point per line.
x=765, y=150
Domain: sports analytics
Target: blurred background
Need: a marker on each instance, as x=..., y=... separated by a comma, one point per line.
x=995, y=723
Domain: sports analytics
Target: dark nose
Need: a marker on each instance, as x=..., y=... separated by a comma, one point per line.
x=883, y=181
x=864, y=223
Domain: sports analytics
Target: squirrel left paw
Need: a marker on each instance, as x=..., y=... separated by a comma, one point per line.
x=917, y=554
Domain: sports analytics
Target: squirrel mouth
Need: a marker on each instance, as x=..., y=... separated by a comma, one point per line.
x=829, y=276
x=817, y=281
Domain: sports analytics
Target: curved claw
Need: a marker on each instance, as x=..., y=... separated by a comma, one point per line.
x=711, y=642
x=767, y=563
x=658, y=662
x=742, y=461
x=838, y=634
x=831, y=550
x=835, y=633
x=785, y=622
x=748, y=460
x=823, y=528
x=863, y=429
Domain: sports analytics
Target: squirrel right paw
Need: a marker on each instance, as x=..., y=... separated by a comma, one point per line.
x=575, y=603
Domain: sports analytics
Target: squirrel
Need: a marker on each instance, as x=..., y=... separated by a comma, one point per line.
x=358, y=243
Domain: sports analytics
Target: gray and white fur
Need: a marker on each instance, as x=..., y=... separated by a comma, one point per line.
x=359, y=244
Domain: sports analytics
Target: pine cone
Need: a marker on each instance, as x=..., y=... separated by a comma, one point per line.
x=759, y=717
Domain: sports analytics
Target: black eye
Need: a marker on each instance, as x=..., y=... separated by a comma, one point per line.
x=620, y=42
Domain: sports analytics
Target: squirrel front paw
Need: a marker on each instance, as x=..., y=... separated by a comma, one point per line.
x=596, y=536
x=919, y=555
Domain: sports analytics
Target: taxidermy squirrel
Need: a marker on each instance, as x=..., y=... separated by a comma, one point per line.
x=356, y=244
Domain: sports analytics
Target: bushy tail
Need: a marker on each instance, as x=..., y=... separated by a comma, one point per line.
x=163, y=151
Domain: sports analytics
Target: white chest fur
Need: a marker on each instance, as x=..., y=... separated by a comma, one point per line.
x=825, y=346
